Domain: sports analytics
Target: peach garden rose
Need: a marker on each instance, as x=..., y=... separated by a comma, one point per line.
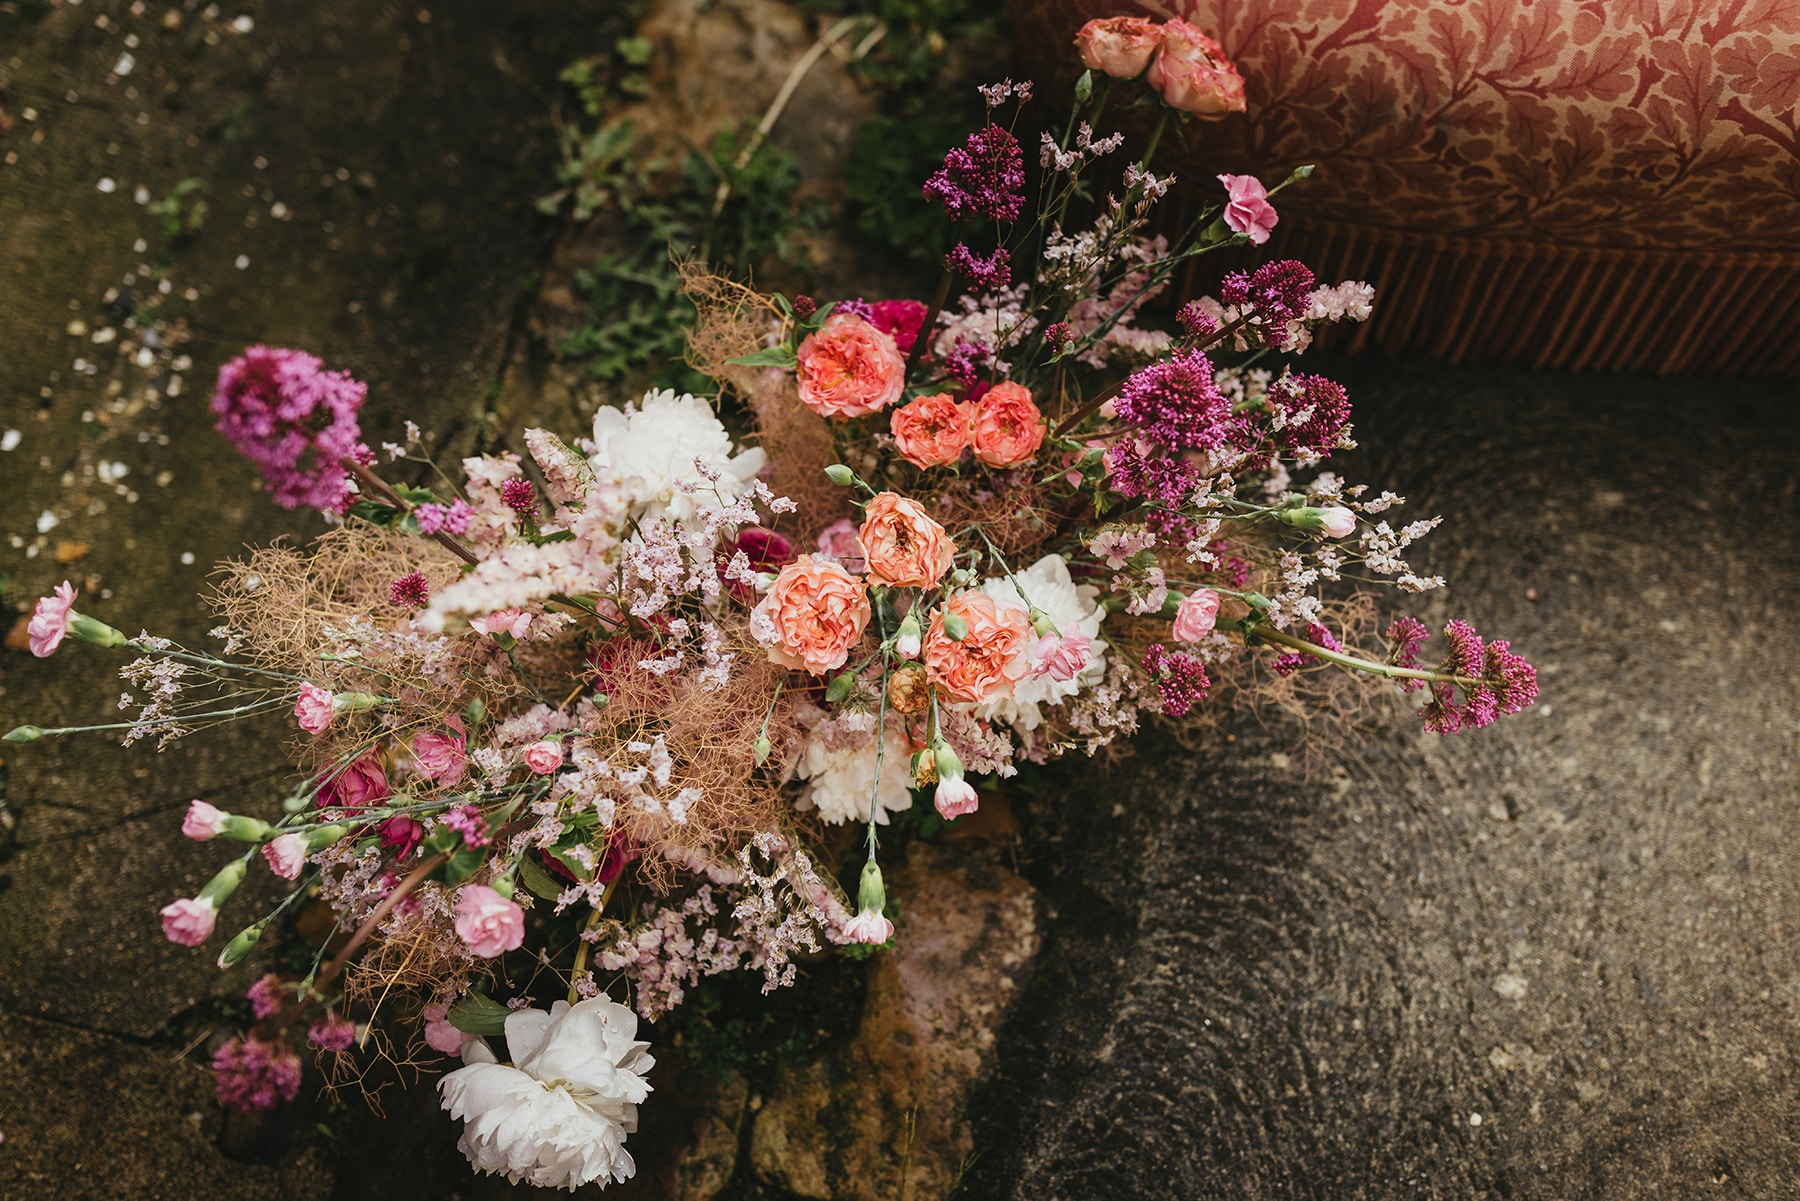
x=991, y=655
x=848, y=368
x=1193, y=74
x=1008, y=427
x=814, y=613
x=903, y=546
x=931, y=431
x=1119, y=46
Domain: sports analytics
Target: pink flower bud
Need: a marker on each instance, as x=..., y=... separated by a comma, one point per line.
x=188, y=922
x=1196, y=615
x=286, y=856
x=869, y=927
x=544, y=757
x=487, y=922
x=440, y=1035
x=955, y=798
x=203, y=822
x=314, y=710
x=1337, y=521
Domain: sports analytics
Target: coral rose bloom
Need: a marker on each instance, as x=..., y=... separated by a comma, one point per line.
x=1119, y=46
x=1193, y=74
x=931, y=431
x=1008, y=427
x=983, y=666
x=814, y=613
x=848, y=368
x=902, y=545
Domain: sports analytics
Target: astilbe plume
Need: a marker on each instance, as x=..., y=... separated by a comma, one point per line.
x=410, y=591
x=296, y=422
x=1315, y=411
x=1502, y=682
x=982, y=178
x=1280, y=291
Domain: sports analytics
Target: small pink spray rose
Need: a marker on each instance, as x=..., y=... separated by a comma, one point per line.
x=1061, y=657
x=314, y=709
x=487, y=922
x=51, y=620
x=544, y=757
x=441, y=757
x=1196, y=615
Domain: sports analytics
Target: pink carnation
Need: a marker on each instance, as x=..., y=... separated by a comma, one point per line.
x=441, y=757
x=357, y=786
x=440, y=1035
x=869, y=927
x=1196, y=615
x=314, y=709
x=188, y=922
x=286, y=855
x=51, y=620
x=1247, y=207
x=955, y=798
x=202, y=822
x=1061, y=657
x=487, y=922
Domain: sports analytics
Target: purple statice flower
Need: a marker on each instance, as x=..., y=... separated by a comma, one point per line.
x=988, y=275
x=520, y=496
x=1315, y=411
x=1279, y=292
x=1513, y=680
x=468, y=822
x=252, y=1074
x=296, y=422
x=1174, y=401
x=982, y=178
x=965, y=361
x=1407, y=635
x=410, y=591
x=1287, y=665
x=1131, y=472
x=1195, y=321
x=453, y=518
x=855, y=308
x=1181, y=679
x=267, y=996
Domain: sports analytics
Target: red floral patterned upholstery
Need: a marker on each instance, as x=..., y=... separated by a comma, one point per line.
x=1579, y=182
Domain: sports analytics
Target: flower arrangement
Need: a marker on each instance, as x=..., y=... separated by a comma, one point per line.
x=989, y=530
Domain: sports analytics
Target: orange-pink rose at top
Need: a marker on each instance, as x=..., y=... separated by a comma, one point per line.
x=991, y=655
x=814, y=613
x=1119, y=46
x=931, y=431
x=902, y=545
x=1008, y=428
x=848, y=368
x=1193, y=74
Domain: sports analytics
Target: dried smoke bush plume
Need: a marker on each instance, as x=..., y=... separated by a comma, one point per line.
x=799, y=445
x=416, y=954
x=284, y=600
x=731, y=319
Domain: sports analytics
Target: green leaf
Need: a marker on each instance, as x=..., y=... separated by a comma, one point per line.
x=377, y=514
x=774, y=356
x=573, y=864
x=462, y=865
x=635, y=51
x=539, y=881
x=415, y=496
x=478, y=1013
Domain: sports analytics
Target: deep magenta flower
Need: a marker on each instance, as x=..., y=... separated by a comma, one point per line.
x=296, y=422
x=985, y=177
x=1175, y=402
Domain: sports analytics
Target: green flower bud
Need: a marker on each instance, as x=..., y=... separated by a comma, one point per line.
x=1084, y=87
x=1041, y=623
x=504, y=885
x=244, y=829
x=949, y=767
x=24, y=734
x=955, y=628
x=762, y=749
x=871, y=894
x=355, y=702
x=840, y=475
x=83, y=628
x=218, y=890
x=840, y=687
x=237, y=948
x=1334, y=521
x=324, y=836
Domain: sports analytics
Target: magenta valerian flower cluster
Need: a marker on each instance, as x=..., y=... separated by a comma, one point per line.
x=297, y=422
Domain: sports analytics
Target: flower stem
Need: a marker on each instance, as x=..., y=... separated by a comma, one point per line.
x=926, y=326
x=370, y=480
x=1356, y=662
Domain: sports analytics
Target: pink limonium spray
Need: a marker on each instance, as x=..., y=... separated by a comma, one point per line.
x=296, y=421
x=1247, y=207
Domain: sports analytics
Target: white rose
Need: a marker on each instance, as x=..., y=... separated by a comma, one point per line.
x=557, y=1116
x=647, y=452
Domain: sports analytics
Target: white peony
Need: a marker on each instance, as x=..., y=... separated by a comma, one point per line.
x=647, y=452
x=557, y=1116
x=843, y=780
x=1073, y=608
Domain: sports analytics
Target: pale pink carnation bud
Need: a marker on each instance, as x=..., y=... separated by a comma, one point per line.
x=440, y=1035
x=203, y=822
x=1337, y=521
x=487, y=922
x=869, y=927
x=51, y=620
x=189, y=922
x=286, y=855
x=954, y=799
x=544, y=757
x=1196, y=615
x=333, y=1032
x=507, y=621
x=314, y=709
